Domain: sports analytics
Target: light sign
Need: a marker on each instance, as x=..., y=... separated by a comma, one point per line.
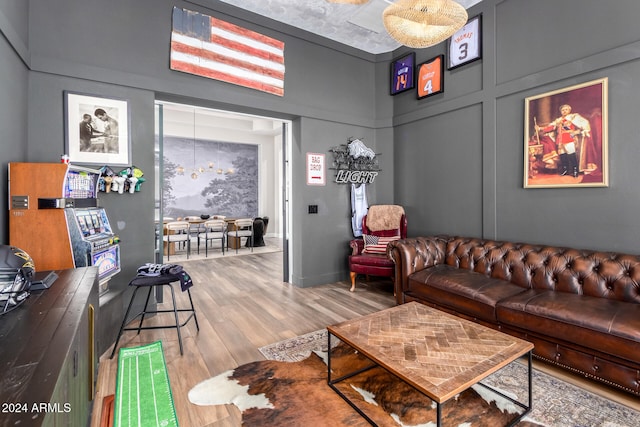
x=355, y=177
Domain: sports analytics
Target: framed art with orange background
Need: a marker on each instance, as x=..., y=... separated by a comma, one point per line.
x=431, y=77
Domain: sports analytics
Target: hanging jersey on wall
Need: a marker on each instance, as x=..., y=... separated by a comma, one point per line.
x=359, y=207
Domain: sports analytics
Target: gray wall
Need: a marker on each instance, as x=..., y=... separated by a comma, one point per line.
x=122, y=50
x=131, y=215
x=459, y=155
x=13, y=96
x=317, y=261
x=453, y=160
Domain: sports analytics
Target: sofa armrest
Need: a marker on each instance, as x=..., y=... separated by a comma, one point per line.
x=414, y=254
x=357, y=246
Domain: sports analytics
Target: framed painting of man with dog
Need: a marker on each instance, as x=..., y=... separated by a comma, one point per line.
x=565, y=138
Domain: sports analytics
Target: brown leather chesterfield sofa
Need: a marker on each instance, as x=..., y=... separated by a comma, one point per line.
x=580, y=308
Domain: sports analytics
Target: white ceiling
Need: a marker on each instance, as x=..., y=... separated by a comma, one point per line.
x=357, y=26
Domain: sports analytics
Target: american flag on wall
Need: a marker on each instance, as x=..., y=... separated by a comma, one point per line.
x=209, y=47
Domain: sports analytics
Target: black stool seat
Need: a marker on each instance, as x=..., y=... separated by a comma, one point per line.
x=162, y=279
x=150, y=282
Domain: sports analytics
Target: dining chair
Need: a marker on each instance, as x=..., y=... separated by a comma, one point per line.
x=241, y=228
x=177, y=232
x=195, y=226
x=214, y=229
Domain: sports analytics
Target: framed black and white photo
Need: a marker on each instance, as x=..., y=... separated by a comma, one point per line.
x=465, y=45
x=96, y=129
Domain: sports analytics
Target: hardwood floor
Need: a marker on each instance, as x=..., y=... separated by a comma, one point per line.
x=242, y=304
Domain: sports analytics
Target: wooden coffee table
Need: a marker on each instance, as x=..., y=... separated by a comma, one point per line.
x=438, y=354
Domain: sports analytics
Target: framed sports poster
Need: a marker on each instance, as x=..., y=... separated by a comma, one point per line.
x=431, y=77
x=465, y=45
x=402, y=73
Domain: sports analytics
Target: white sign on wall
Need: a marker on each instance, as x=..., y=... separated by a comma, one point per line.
x=315, y=169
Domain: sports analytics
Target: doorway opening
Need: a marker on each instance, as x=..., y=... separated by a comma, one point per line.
x=200, y=151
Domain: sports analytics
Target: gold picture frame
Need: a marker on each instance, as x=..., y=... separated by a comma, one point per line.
x=565, y=137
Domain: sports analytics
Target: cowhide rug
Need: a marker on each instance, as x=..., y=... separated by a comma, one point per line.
x=272, y=393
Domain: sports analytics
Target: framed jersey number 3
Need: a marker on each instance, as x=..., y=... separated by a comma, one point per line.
x=466, y=44
x=430, y=77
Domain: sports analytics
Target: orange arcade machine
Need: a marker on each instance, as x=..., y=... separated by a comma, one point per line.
x=54, y=216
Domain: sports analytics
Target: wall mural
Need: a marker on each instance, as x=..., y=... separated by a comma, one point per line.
x=225, y=183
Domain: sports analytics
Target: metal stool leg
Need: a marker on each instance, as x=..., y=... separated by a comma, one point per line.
x=124, y=323
x=144, y=310
x=193, y=310
x=175, y=312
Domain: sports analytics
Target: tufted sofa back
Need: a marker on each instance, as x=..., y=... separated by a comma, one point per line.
x=599, y=274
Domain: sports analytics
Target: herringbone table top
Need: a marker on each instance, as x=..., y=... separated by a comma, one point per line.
x=437, y=353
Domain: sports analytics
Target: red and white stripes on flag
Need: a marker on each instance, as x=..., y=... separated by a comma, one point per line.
x=209, y=47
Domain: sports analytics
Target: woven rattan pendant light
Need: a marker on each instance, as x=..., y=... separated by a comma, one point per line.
x=348, y=1
x=423, y=23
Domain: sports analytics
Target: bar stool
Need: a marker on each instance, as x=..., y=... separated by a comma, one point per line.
x=150, y=282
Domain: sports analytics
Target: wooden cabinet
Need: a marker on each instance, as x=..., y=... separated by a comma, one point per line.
x=42, y=233
x=48, y=354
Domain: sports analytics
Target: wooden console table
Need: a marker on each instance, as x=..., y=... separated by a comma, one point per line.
x=48, y=354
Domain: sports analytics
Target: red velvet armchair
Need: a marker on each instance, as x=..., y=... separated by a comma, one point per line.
x=372, y=262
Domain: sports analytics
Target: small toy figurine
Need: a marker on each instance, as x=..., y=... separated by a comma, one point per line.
x=139, y=183
x=118, y=184
x=132, y=183
x=106, y=179
x=137, y=173
x=133, y=177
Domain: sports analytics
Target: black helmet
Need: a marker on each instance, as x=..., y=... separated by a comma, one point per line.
x=16, y=273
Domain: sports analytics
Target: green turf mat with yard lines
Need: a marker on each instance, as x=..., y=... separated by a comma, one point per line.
x=143, y=394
